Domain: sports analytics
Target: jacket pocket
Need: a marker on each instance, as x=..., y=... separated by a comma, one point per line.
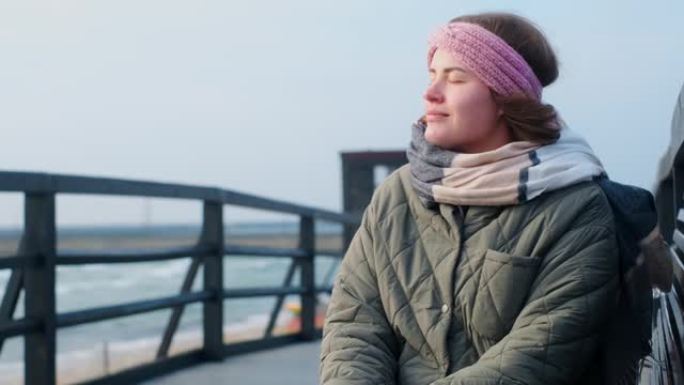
x=502, y=291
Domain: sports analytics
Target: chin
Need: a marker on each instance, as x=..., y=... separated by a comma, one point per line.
x=438, y=136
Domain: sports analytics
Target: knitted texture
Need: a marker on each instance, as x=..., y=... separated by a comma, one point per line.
x=514, y=173
x=489, y=57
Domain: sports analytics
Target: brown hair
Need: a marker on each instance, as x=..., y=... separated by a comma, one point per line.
x=528, y=119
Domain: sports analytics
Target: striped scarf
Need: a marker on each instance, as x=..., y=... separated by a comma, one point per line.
x=512, y=174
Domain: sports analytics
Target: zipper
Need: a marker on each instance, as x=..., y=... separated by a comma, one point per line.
x=460, y=221
x=462, y=217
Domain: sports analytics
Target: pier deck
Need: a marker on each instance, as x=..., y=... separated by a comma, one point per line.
x=290, y=365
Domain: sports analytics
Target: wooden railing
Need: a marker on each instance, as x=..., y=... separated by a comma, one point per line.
x=33, y=272
x=665, y=366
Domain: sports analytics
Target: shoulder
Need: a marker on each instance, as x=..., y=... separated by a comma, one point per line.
x=579, y=214
x=394, y=194
x=582, y=204
x=562, y=221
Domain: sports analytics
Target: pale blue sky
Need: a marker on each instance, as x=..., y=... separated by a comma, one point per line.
x=261, y=96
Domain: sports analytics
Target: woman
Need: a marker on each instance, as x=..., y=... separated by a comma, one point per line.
x=491, y=258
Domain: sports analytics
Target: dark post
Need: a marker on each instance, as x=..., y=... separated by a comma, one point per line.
x=39, y=241
x=358, y=180
x=677, y=196
x=212, y=236
x=308, y=281
x=357, y=188
x=665, y=198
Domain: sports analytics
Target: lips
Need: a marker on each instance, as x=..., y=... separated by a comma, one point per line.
x=434, y=115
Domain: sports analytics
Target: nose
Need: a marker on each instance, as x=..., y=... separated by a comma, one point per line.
x=433, y=93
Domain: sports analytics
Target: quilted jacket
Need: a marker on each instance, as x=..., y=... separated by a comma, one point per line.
x=488, y=295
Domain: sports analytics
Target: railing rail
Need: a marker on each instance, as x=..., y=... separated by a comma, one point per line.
x=33, y=271
x=67, y=184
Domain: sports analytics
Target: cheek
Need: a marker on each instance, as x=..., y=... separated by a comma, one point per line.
x=473, y=115
x=475, y=108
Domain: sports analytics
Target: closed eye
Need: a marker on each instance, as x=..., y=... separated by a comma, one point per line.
x=454, y=77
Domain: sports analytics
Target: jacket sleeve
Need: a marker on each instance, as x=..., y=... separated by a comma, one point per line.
x=358, y=347
x=555, y=336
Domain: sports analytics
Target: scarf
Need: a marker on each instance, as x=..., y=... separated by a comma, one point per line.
x=511, y=174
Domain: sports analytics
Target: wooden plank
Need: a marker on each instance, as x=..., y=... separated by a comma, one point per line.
x=212, y=236
x=72, y=184
x=10, y=299
x=75, y=258
x=675, y=323
x=18, y=327
x=677, y=268
x=307, y=239
x=39, y=288
x=678, y=239
x=262, y=292
x=257, y=251
x=17, y=262
x=287, y=282
x=108, y=312
x=175, y=317
x=680, y=216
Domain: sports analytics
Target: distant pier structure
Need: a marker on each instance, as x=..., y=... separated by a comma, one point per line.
x=362, y=171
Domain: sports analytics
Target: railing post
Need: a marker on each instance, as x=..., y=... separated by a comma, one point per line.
x=307, y=243
x=172, y=326
x=11, y=298
x=39, y=241
x=212, y=236
x=279, y=300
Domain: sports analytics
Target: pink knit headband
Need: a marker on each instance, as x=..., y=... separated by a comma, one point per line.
x=489, y=57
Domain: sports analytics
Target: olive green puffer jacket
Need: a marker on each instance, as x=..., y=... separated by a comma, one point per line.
x=500, y=295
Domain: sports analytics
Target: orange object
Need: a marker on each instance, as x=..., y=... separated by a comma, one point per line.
x=295, y=323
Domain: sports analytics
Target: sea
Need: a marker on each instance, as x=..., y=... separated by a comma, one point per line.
x=90, y=286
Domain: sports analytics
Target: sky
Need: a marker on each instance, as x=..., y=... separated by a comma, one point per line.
x=261, y=96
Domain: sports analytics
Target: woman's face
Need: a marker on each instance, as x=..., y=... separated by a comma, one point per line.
x=460, y=111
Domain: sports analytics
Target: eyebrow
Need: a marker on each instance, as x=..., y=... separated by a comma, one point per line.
x=450, y=69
